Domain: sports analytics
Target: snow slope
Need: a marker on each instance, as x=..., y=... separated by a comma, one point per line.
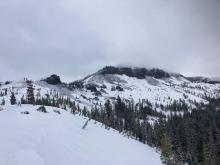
x=161, y=91
x=156, y=90
x=55, y=139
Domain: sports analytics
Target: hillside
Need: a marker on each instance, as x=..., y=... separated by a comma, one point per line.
x=53, y=139
x=156, y=86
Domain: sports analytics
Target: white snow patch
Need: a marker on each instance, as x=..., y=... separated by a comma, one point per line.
x=53, y=139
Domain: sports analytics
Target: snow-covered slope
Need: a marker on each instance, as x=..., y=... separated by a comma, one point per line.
x=163, y=90
x=155, y=86
x=54, y=139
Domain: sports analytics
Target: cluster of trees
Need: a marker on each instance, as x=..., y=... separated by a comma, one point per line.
x=127, y=117
x=30, y=98
x=177, y=106
x=194, y=137
x=4, y=92
x=188, y=138
x=33, y=96
x=54, y=100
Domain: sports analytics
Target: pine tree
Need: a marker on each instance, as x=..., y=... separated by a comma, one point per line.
x=119, y=108
x=109, y=113
x=214, y=144
x=85, y=112
x=23, y=100
x=206, y=156
x=13, y=99
x=78, y=109
x=166, y=150
x=6, y=91
x=30, y=94
x=73, y=107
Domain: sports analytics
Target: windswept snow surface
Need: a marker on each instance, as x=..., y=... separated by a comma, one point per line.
x=58, y=139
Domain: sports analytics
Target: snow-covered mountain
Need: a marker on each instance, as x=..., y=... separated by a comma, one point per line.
x=57, y=137
x=154, y=85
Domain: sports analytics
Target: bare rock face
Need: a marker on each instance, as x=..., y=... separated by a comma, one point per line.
x=139, y=73
x=42, y=109
x=53, y=80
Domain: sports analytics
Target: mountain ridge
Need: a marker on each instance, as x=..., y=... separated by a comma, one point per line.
x=154, y=85
x=141, y=73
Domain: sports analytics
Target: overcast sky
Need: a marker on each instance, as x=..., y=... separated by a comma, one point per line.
x=74, y=38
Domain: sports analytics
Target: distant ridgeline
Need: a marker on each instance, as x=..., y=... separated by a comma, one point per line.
x=202, y=79
x=139, y=73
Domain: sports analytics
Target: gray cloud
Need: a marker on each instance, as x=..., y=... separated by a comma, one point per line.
x=74, y=38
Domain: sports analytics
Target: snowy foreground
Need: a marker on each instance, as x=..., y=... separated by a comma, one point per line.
x=58, y=139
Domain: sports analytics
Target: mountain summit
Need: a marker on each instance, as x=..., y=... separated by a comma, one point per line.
x=154, y=85
x=139, y=73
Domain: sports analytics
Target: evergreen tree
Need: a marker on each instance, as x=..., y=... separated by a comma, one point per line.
x=166, y=151
x=120, y=108
x=206, y=156
x=84, y=112
x=13, y=99
x=23, y=100
x=6, y=91
x=30, y=94
x=109, y=113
